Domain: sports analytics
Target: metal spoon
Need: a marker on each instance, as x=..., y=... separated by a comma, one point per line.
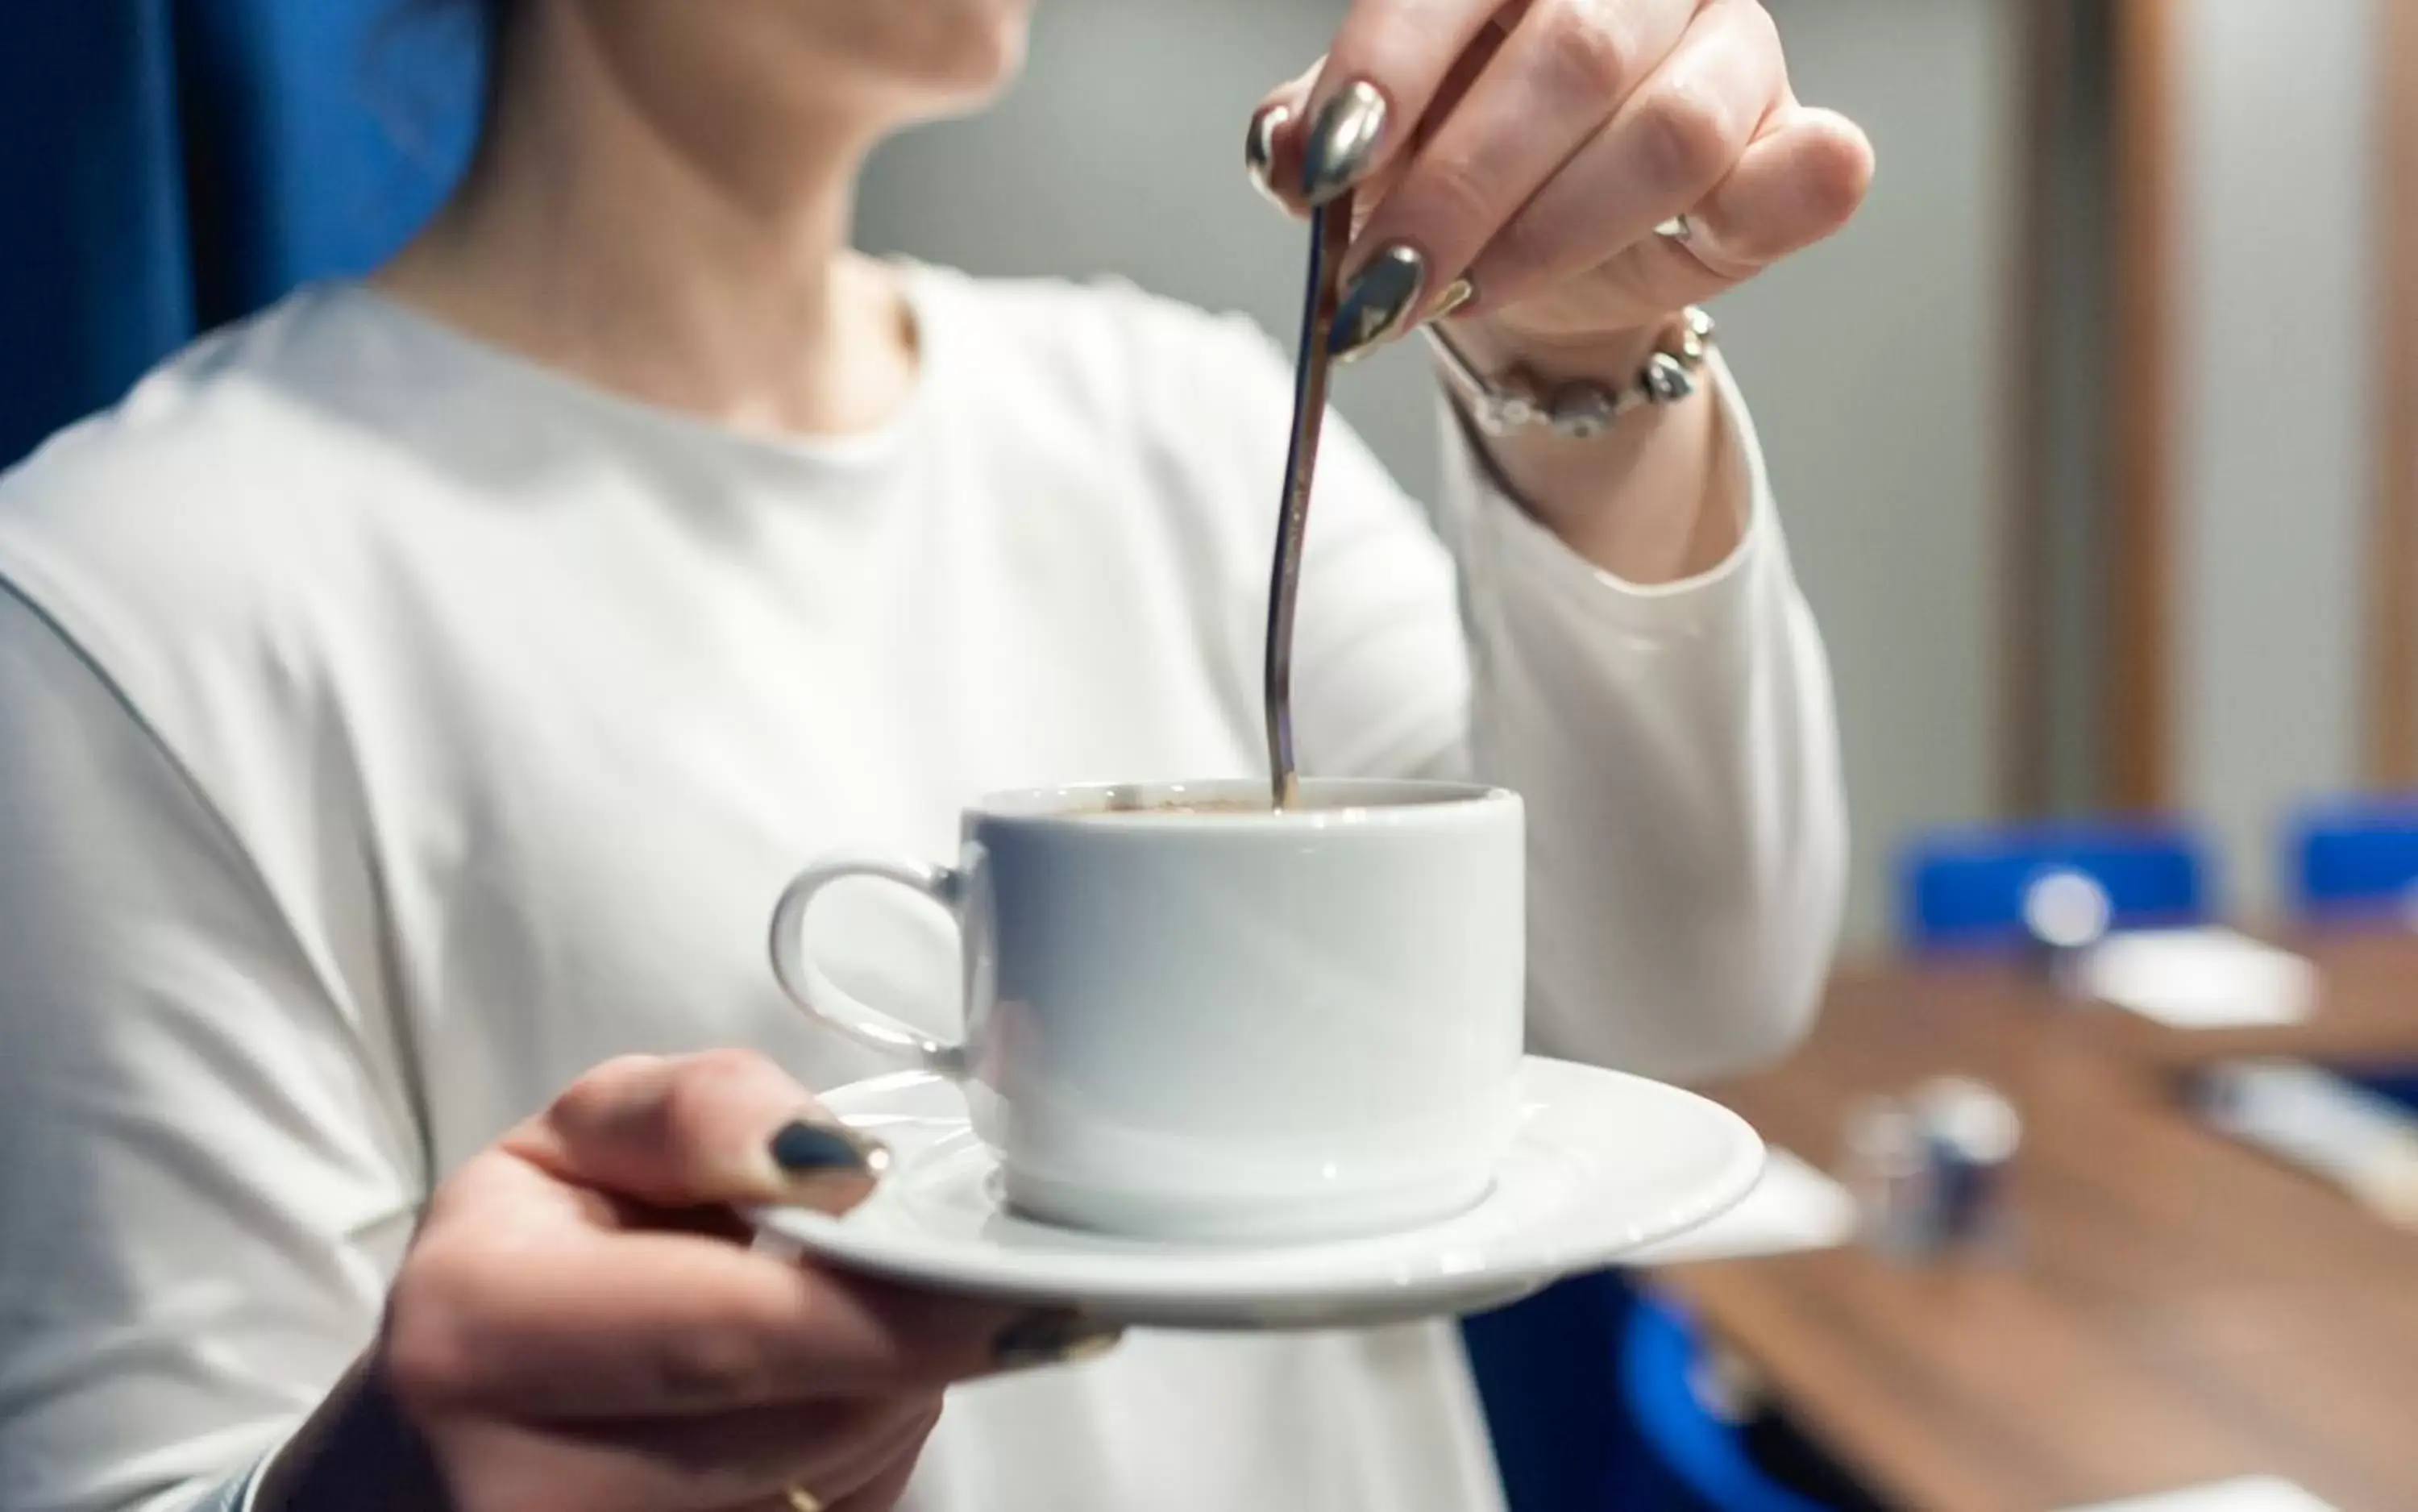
x=1341, y=143
x=1328, y=227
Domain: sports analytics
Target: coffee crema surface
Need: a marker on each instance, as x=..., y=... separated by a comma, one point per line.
x=1306, y=803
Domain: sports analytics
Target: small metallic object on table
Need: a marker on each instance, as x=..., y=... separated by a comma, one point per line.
x=1929, y=1171
x=1886, y=1172
x=1342, y=141
x=1970, y=1134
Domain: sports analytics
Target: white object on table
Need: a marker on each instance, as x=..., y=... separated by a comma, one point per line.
x=2250, y=1493
x=2363, y=1142
x=1794, y=1207
x=2209, y=978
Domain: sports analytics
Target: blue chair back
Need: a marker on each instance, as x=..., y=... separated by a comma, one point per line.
x=172, y=164
x=1707, y=1460
x=1547, y=1373
x=2352, y=858
x=2355, y=861
x=1963, y=887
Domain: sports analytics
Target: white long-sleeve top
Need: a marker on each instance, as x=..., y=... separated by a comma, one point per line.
x=390, y=730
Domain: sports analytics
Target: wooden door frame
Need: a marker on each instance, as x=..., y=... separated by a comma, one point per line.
x=2039, y=33
x=2137, y=712
x=2127, y=703
x=2391, y=701
x=2138, y=696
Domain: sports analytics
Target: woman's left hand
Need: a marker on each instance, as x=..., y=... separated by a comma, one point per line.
x=1534, y=147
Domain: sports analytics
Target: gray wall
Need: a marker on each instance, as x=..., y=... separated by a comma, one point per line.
x=2274, y=311
x=1872, y=363
x=1874, y=367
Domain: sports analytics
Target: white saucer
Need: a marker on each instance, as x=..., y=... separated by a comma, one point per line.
x=1603, y=1164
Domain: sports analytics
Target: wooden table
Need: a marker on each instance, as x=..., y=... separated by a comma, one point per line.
x=2178, y=1308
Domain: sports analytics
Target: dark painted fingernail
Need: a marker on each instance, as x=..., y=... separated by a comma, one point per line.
x=1056, y=1337
x=1379, y=301
x=1260, y=151
x=1343, y=141
x=803, y=1149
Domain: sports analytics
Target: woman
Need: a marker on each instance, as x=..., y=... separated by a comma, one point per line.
x=416, y=696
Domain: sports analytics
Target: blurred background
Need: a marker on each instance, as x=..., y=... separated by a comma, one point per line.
x=2083, y=431
x=2096, y=436
x=2027, y=614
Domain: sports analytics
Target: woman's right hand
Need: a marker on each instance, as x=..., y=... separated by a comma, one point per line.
x=579, y=1324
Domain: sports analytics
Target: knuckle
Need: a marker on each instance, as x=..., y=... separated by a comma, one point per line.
x=619, y=1069
x=685, y=1119
x=1756, y=24
x=1522, y=249
x=1836, y=179
x=1588, y=52
x=599, y=1091
x=1452, y=191
x=433, y=1354
x=1685, y=137
x=729, y=1066
x=711, y=1366
x=706, y=1087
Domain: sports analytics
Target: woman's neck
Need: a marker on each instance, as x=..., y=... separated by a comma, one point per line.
x=688, y=253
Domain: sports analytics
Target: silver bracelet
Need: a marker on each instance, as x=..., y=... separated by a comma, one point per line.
x=1581, y=407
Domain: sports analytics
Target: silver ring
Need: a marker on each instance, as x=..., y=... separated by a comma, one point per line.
x=1678, y=228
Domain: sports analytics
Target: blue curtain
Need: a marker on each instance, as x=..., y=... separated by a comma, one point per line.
x=167, y=165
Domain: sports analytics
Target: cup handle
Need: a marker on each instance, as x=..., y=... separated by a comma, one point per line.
x=824, y=1000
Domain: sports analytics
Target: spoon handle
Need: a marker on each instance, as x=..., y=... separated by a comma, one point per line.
x=1330, y=227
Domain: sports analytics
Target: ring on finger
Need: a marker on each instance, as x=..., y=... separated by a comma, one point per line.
x=1678, y=228
x=802, y=1500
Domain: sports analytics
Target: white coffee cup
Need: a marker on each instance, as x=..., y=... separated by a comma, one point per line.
x=1237, y=1024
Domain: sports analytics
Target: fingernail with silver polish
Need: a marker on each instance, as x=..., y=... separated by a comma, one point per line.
x=1379, y=301
x=1343, y=141
x=803, y=1151
x=1259, y=150
x=1056, y=1337
x=1458, y=293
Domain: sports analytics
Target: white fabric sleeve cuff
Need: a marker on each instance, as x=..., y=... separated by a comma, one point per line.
x=235, y=1494
x=1505, y=548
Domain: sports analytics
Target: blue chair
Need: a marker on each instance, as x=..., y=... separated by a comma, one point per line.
x=1964, y=888
x=1591, y=1401
x=2353, y=860
x=1707, y=1458
x=1547, y=1372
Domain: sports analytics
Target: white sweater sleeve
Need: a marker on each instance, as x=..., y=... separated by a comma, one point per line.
x=202, y=1202
x=1676, y=745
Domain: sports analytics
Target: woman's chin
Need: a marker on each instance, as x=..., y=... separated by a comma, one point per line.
x=978, y=61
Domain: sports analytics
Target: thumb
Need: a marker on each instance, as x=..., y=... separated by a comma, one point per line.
x=722, y=1128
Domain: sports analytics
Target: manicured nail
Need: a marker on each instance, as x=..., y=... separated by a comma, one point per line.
x=804, y=1148
x=1343, y=141
x=1056, y=1337
x=1260, y=151
x=1379, y=301
x=1460, y=292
